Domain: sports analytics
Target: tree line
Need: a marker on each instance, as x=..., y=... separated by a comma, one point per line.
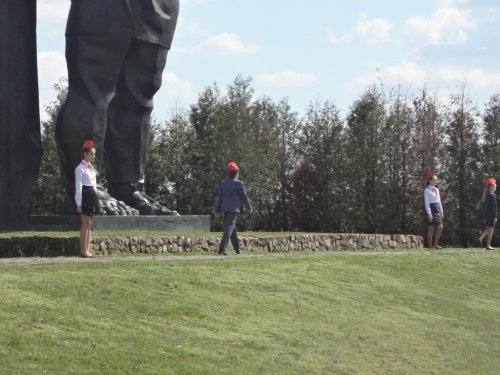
x=323, y=172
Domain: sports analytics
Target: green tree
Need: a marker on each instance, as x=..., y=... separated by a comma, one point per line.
x=491, y=138
x=322, y=149
x=305, y=187
x=364, y=172
x=205, y=155
x=168, y=165
x=463, y=181
x=288, y=131
x=262, y=157
x=425, y=154
x=48, y=192
x=397, y=160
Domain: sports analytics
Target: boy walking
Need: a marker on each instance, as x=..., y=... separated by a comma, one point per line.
x=231, y=195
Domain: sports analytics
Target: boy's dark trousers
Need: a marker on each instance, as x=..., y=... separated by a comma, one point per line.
x=229, y=233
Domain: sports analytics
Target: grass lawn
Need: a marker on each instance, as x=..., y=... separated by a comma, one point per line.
x=421, y=313
x=129, y=233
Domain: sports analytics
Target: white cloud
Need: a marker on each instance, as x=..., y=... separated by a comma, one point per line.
x=51, y=68
x=196, y=29
x=406, y=72
x=446, y=25
x=475, y=78
x=225, y=43
x=441, y=81
x=447, y=3
x=197, y=2
x=173, y=93
x=372, y=31
x=51, y=17
x=286, y=79
x=53, y=9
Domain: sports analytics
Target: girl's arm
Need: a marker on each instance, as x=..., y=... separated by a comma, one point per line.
x=440, y=204
x=78, y=187
x=427, y=197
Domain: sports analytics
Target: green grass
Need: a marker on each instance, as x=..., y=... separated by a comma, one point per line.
x=423, y=313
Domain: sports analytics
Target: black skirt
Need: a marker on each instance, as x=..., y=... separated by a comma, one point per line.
x=489, y=221
x=90, y=203
x=436, y=214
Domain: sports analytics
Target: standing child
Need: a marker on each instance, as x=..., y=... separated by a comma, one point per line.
x=433, y=211
x=231, y=194
x=86, y=196
x=489, y=211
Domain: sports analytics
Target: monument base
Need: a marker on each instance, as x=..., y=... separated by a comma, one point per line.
x=186, y=223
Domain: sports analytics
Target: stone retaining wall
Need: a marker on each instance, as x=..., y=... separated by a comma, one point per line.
x=67, y=246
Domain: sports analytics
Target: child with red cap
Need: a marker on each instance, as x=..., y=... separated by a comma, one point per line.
x=489, y=211
x=86, y=200
x=231, y=194
x=433, y=211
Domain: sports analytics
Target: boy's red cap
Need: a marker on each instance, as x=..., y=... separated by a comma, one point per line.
x=430, y=174
x=88, y=144
x=490, y=181
x=232, y=166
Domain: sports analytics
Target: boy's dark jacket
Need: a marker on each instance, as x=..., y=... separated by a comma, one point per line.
x=231, y=194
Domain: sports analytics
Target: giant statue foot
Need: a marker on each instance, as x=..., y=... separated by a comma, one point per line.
x=138, y=200
x=111, y=206
x=126, y=202
x=107, y=205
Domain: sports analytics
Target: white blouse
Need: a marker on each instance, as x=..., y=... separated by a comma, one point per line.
x=431, y=195
x=85, y=175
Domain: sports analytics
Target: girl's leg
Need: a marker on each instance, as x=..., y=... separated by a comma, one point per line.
x=84, y=234
x=481, y=238
x=490, y=236
x=89, y=236
x=430, y=232
x=439, y=230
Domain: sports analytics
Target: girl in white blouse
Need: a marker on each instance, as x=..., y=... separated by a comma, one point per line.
x=433, y=211
x=86, y=200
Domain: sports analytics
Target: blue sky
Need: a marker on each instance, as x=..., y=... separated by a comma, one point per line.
x=311, y=50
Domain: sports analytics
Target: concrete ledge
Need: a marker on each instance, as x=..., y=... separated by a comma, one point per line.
x=67, y=246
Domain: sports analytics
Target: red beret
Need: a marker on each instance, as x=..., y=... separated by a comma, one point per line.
x=430, y=174
x=88, y=144
x=490, y=181
x=232, y=166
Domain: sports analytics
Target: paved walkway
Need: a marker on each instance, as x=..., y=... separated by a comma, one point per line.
x=43, y=261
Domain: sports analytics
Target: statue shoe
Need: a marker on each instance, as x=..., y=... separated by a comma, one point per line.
x=139, y=200
x=113, y=207
x=107, y=205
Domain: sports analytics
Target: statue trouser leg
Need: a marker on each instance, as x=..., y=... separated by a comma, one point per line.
x=20, y=143
x=94, y=63
x=128, y=125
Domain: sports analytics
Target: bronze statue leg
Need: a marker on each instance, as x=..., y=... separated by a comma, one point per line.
x=128, y=126
x=130, y=112
x=94, y=63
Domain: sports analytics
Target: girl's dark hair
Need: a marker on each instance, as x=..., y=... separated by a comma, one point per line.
x=232, y=174
x=87, y=146
x=87, y=149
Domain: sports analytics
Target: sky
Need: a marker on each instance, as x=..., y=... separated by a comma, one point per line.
x=310, y=51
